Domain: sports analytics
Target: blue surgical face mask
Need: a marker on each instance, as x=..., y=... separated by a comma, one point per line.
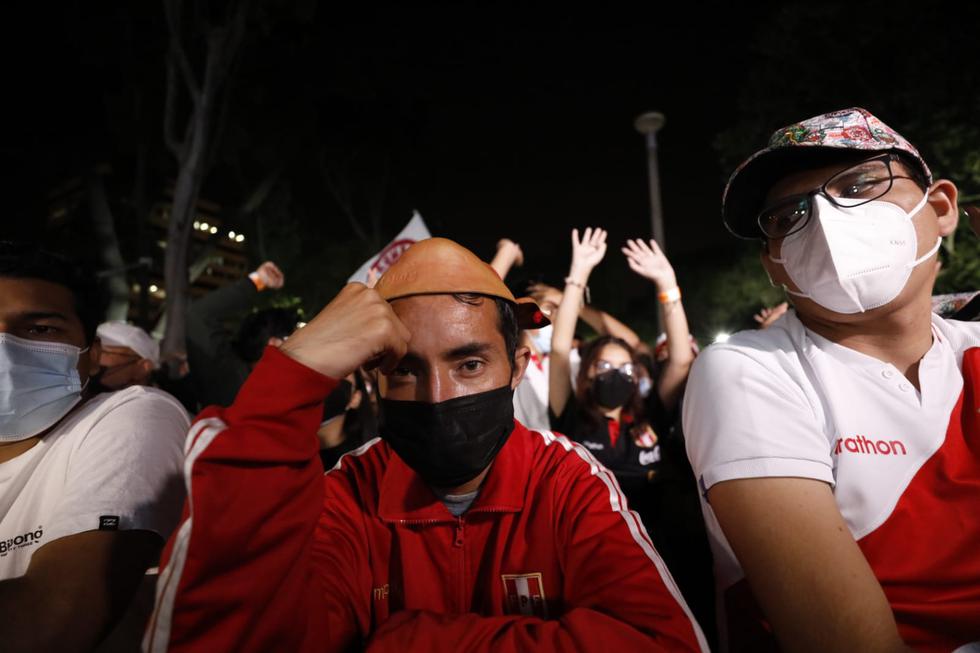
x=39, y=384
x=542, y=339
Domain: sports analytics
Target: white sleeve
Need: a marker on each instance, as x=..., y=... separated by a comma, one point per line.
x=127, y=466
x=744, y=419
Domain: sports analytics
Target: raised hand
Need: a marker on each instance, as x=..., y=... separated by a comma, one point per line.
x=356, y=328
x=650, y=262
x=587, y=252
x=270, y=276
x=508, y=248
x=768, y=315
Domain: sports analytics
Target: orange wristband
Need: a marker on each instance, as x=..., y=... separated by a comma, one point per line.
x=668, y=296
x=257, y=280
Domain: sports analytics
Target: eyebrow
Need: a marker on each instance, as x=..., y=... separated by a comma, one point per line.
x=469, y=349
x=43, y=315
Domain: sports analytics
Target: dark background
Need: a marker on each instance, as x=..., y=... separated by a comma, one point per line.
x=490, y=123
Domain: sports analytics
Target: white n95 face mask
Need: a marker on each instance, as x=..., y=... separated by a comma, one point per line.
x=850, y=260
x=39, y=384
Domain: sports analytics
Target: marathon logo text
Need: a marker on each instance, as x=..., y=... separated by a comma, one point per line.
x=27, y=539
x=861, y=444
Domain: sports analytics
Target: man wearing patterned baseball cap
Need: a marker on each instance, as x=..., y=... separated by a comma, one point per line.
x=457, y=530
x=838, y=451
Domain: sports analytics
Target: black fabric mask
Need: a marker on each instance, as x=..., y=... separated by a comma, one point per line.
x=449, y=443
x=612, y=389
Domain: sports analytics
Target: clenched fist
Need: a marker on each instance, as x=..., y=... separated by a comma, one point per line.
x=356, y=328
x=270, y=276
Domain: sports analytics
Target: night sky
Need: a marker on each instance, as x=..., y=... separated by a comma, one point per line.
x=496, y=123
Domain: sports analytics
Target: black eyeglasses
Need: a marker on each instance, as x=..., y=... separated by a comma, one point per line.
x=853, y=186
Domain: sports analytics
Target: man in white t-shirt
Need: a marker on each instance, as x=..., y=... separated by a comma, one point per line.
x=90, y=486
x=129, y=355
x=838, y=451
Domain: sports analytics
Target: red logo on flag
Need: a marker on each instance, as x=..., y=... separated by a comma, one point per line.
x=391, y=254
x=524, y=594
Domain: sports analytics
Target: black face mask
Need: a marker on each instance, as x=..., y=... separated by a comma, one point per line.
x=449, y=443
x=612, y=389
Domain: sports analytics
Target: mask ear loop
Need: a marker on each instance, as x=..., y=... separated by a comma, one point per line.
x=939, y=241
x=782, y=261
x=927, y=255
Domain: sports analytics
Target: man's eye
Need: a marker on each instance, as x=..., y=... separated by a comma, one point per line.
x=863, y=187
x=472, y=366
x=41, y=330
x=401, y=372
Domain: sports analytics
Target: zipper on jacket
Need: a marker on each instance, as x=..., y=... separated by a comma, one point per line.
x=459, y=554
x=458, y=539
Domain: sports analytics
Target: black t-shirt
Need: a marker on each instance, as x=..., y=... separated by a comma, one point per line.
x=618, y=446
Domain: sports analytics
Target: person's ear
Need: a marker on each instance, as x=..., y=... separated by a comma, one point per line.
x=522, y=356
x=942, y=199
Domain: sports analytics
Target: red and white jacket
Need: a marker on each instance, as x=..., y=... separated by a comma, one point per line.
x=274, y=555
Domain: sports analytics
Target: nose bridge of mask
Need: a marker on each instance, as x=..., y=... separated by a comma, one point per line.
x=39, y=384
x=41, y=346
x=54, y=357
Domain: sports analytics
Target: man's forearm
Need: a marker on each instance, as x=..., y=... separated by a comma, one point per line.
x=606, y=324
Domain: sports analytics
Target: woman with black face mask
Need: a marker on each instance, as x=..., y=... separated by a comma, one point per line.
x=607, y=412
x=633, y=428
x=608, y=415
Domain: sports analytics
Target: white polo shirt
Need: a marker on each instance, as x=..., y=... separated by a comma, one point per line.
x=114, y=463
x=904, y=465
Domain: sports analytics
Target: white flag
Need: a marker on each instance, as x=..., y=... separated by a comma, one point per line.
x=413, y=232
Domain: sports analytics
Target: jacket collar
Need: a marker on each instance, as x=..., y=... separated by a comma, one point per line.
x=404, y=495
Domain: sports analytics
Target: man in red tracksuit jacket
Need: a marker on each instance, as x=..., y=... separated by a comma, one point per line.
x=457, y=530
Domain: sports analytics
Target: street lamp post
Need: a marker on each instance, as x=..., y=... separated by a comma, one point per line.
x=649, y=124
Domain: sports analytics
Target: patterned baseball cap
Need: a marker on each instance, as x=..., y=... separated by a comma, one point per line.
x=810, y=143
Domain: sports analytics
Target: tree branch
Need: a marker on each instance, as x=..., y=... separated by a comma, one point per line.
x=172, y=11
x=170, y=112
x=224, y=44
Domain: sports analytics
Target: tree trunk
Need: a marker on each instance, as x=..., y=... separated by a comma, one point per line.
x=179, y=228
